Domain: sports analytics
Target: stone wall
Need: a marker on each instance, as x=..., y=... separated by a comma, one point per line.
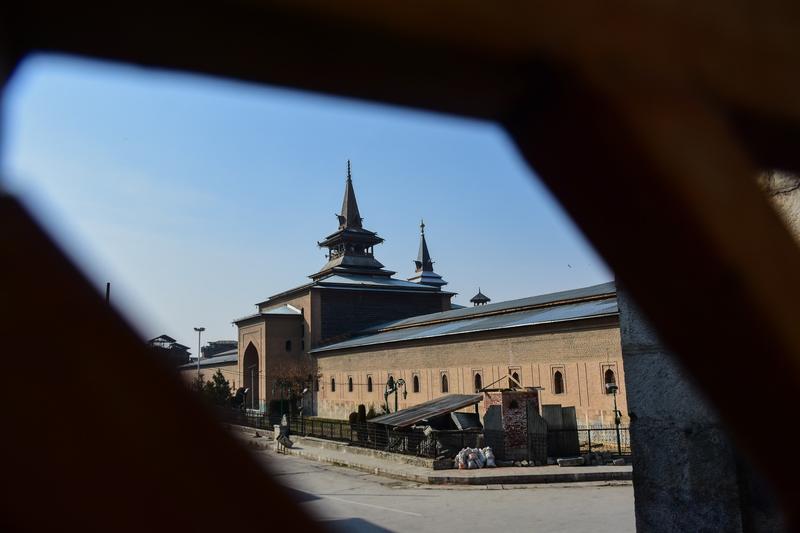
x=684, y=466
x=688, y=475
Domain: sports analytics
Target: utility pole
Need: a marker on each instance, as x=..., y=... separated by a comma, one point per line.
x=199, y=332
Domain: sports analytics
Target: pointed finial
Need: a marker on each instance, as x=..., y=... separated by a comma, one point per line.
x=348, y=170
x=422, y=226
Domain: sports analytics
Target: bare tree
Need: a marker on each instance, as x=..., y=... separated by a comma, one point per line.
x=288, y=375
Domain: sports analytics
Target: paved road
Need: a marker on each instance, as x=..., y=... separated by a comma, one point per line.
x=354, y=501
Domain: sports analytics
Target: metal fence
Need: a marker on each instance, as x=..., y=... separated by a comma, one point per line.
x=569, y=442
x=245, y=417
x=413, y=441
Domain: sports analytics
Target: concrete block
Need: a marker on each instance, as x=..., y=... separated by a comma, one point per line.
x=570, y=461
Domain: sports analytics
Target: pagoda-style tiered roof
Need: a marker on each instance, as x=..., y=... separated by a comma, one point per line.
x=424, y=271
x=350, y=248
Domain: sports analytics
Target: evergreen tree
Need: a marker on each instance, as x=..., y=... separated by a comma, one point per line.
x=218, y=389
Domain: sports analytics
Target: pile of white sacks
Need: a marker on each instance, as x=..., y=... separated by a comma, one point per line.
x=471, y=458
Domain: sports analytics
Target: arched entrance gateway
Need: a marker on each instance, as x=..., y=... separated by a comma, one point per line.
x=250, y=376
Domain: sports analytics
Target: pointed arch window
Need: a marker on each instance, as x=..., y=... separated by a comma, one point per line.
x=349, y=383
x=610, y=379
x=445, y=385
x=369, y=383
x=478, y=381
x=416, y=384
x=333, y=384
x=558, y=382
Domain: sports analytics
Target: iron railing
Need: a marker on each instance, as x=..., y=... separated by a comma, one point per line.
x=570, y=442
x=413, y=441
x=245, y=417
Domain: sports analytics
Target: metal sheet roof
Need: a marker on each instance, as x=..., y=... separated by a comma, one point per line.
x=373, y=281
x=286, y=310
x=584, y=292
x=355, y=280
x=423, y=411
x=530, y=317
x=221, y=360
x=226, y=353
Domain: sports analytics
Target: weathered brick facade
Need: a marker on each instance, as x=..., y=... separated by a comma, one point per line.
x=509, y=436
x=581, y=351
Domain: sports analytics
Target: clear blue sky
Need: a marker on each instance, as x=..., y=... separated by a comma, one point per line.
x=199, y=197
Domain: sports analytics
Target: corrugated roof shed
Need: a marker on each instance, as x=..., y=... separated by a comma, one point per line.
x=423, y=411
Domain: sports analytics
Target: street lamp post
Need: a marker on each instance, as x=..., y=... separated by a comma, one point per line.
x=199, y=332
x=612, y=388
x=393, y=388
x=302, y=411
x=253, y=384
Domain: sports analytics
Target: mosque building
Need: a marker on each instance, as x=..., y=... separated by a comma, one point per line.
x=354, y=327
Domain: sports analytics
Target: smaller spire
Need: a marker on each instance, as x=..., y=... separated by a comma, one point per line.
x=349, y=177
x=424, y=265
x=480, y=298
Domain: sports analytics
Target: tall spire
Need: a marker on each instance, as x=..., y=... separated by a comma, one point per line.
x=350, y=247
x=423, y=262
x=424, y=271
x=350, y=217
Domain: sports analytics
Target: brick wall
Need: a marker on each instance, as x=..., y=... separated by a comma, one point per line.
x=229, y=370
x=515, y=418
x=581, y=351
